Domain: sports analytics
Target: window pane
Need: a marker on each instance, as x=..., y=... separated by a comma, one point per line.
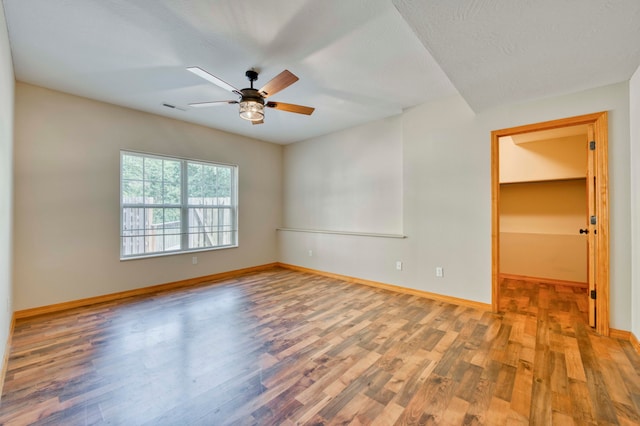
x=210, y=185
x=171, y=193
x=154, y=218
x=172, y=229
x=153, y=169
x=194, y=180
x=172, y=216
x=132, y=219
x=132, y=246
x=210, y=227
x=210, y=172
x=153, y=243
x=153, y=192
x=224, y=184
x=197, y=235
x=172, y=172
x=209, y=195
x=132, y=167
x=132, y=192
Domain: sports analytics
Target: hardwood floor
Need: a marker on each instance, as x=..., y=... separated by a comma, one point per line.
x=279, y=347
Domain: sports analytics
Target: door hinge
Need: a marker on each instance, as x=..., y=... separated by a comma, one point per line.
x=592, y=220
x=592, y=294
x=592, y=145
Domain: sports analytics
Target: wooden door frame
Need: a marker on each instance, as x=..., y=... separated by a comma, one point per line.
x=599, y=122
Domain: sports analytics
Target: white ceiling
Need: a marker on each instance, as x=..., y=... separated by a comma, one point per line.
x=358, y=60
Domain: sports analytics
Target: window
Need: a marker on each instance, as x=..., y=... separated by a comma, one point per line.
x=170, y=205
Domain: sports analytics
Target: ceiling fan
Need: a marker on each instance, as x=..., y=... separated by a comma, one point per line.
x=252, y=101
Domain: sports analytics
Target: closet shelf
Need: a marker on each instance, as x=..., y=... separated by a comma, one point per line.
x=569, y=179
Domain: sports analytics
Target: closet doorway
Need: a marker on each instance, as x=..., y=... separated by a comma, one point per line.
x=550, y=217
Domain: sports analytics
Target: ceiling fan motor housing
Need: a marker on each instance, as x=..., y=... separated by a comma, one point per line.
x=251, y=95
x=252, y=76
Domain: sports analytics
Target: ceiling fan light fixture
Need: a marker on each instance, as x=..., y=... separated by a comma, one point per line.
x=252, y=101
x=251, y=110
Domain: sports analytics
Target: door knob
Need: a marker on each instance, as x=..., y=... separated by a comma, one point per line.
x=584, y=231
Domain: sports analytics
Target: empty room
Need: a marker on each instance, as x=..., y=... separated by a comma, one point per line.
x=381, y=212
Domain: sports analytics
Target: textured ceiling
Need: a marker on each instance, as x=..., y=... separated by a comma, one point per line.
x=505, y=51
x=358, y=60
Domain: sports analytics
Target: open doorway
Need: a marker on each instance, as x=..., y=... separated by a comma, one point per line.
x=569, y=191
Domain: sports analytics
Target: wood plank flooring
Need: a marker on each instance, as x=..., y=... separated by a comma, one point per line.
x=279, y=347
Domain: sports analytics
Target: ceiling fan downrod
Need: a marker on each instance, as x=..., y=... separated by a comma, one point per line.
x=252, y=76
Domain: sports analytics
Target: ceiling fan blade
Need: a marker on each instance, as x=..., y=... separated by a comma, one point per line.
x=210, y=104
x=257, y=122
x=298, y=109
x=213, y=79
x=278, y=83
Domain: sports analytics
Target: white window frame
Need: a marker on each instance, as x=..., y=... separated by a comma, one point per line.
x=184, y=207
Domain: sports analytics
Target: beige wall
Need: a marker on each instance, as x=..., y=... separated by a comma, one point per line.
x=544, y=256
x=66, y=197
x=446, y=198
x=634, y=95
x=7, y=84
x=348, y=181
x=539, y=230
x=544, y=207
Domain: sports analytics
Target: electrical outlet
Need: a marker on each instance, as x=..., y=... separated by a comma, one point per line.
x=399, y=265
x=439, y=272
x=194, y=260
x=310, y=253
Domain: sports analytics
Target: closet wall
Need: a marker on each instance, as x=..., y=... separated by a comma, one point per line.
x=543, y=206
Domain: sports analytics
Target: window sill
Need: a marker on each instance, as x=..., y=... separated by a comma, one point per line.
x=173, y=253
